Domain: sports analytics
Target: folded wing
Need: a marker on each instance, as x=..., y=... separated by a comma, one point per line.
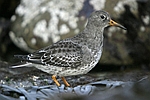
x=60, y=54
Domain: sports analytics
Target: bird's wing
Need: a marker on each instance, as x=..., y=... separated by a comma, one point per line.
x=60, y=54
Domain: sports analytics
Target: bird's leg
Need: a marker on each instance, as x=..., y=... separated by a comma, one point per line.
x=55, y=80
x=65, y=82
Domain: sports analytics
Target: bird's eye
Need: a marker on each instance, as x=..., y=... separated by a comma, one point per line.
x=103, y=17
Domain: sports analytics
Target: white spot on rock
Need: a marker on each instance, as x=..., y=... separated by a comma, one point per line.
x=146, y=19
x=142, y=28
x=119, y=8
x=33, y=41
x=64, y=29
x=73, y=23
x=98, y=4
x=76, y=31
x=13, y=18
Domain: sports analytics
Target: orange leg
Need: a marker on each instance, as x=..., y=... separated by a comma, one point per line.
x=55, y=80
x=65, y=82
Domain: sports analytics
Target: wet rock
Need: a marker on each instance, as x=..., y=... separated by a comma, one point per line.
x=123, y=91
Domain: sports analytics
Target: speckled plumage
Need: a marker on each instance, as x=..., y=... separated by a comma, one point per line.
x=76, y=55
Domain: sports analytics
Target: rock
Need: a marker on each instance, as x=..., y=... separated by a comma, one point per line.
x=44, y=22
x=101, y=90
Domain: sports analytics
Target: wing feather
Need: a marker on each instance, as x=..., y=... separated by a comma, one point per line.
x=60, y=54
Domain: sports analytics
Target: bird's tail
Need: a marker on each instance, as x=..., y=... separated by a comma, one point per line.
x=22, y=57
x=23, y=63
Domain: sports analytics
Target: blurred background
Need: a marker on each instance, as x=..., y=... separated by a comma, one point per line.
x=28, y=25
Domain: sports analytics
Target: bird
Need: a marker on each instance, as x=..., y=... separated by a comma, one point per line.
x=75, y=55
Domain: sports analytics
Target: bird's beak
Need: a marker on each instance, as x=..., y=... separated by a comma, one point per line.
x=113, y=23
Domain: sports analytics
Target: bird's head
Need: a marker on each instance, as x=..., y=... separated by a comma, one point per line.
x=101, y=19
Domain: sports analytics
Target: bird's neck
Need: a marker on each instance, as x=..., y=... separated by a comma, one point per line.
x=91, y=37
x=93, y=33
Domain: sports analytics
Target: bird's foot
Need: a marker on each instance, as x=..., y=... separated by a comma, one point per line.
x=65, y=82
x=55, y=80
